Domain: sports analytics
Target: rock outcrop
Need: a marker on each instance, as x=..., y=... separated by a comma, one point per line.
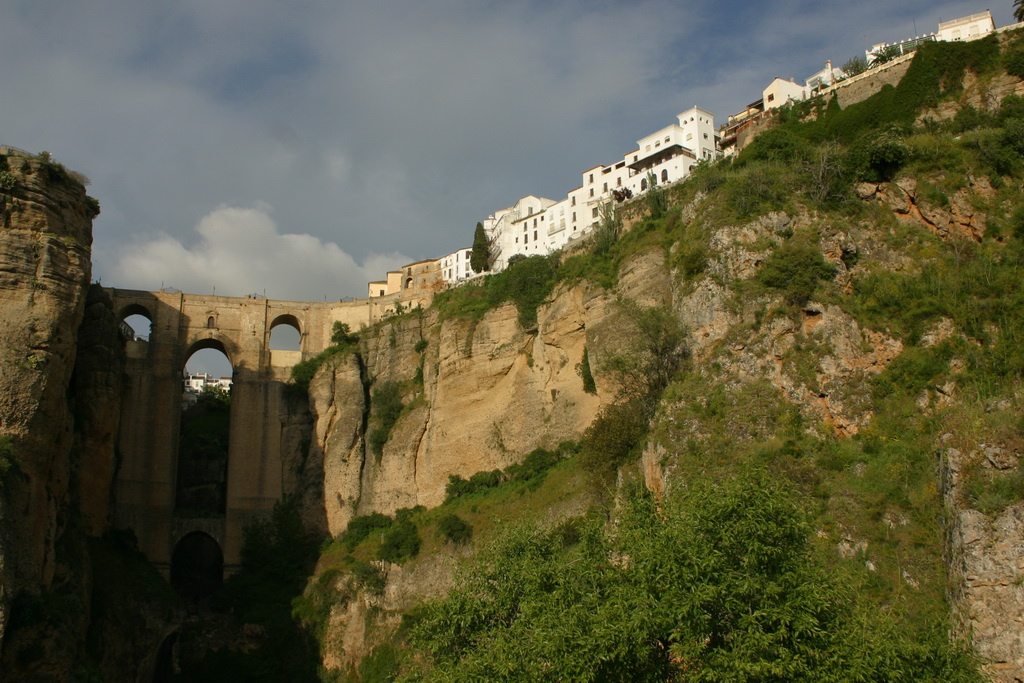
x=44, y=275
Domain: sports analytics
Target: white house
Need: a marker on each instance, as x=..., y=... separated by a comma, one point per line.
x=781, y=92
x=540, y=226
x=824, y=78
x=966, y=28
x=455, y=266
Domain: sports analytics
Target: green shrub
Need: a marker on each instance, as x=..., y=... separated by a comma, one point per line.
x=381, y=665
x=614, y=437
x=400, y=542
x=583, y=369
x=368, y=576
x=990, y=491
x=795, y=268
x=359, y=528
x=387, y=407
x=455, y=529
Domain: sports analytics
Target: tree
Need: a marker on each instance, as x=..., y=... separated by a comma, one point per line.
x=714, y=581
x=1018, y=10
x=855, y=65
x=480, y=257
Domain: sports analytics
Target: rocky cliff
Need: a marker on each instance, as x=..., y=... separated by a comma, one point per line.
x=44, y=251
x=60, y=393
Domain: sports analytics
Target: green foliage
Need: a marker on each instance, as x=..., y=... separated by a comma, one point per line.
x=795, y=268
x=583, y=369
x=7, y=180
x=341, y=336
x=615, y=437
x=878, y=156
x=530, y=471
x=277, y=556
x=1013, y=59
x=480, y=257
x=421, y=346
x=718, y=582
x=854, y=66
x=455, y=529
x=400, y=542
x=642, y=372
x=359, y=528
x=382, y=664
x=990, y=491
x=527, y=284
x=342, y=341
x=387, y=406
x=782, y=144
x=655, y=198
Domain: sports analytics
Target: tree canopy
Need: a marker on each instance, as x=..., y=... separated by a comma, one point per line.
x=478, y=260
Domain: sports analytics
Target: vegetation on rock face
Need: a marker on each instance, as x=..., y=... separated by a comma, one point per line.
x=342, y=341
x=717, y=582
x=387, y=407
x=790, y=545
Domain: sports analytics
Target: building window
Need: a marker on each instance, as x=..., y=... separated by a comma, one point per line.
x=591, y=177
x=573, y=216
x=534, y=235
x=771, y=98
x=210, y=322
x=664, y=175
x=643, y=185
x=606, y=187
x=591, y=192
x=574, y=200
x=595, y=212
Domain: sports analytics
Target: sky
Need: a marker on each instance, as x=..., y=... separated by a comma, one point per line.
x=302, y=149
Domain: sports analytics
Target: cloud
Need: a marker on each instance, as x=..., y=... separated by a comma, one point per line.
x=241, y=251
x=388, y=126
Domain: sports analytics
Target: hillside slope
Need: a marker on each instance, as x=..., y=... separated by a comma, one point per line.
x=850, y=289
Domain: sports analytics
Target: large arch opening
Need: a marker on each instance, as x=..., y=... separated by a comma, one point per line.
x=205, y=432
x=197, y=567
x=285, y=334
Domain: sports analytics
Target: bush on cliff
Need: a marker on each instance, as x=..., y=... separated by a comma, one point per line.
x=718, y=581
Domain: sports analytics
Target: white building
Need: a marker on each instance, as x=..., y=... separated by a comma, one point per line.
x=455, y=267
x=781, y=92
x=825, y=78
x=966, y=28
x=536, y=225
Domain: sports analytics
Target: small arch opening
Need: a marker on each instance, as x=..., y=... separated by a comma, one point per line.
x=285, y=334
x=197, y=567
x=664, y=175
x=136, y=323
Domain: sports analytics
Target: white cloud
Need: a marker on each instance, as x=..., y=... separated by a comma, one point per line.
x=240, y=251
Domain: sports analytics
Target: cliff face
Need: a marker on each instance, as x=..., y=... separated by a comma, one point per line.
x=44, y=275
x=60, y=393
x=490, y=393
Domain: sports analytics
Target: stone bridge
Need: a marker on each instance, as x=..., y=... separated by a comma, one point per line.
x=261, y=429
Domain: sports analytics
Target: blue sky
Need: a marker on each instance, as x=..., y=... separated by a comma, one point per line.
x=304, y=148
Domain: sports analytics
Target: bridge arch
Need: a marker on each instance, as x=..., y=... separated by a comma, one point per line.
x=285, y=333
x=197, y=566
x=131, y=318
x=212, y=341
